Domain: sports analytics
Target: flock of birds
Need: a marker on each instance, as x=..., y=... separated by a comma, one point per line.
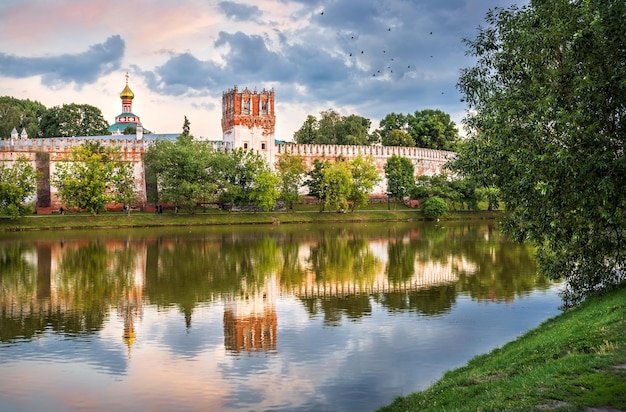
x=354, y=52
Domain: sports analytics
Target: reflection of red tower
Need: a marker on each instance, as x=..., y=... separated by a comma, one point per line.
x=255, y=333
x=250, y=320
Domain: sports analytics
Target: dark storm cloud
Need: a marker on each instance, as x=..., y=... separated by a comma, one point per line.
x=82, y=68
x=238, y=11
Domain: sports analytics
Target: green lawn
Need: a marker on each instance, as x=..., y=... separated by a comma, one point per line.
x=571, y=362
x=303, y=214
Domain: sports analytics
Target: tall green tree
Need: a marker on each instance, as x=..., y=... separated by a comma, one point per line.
x=428, y=128
x=548, y=130
x=308, y=132
x=183, y=171
x=265, y=192
x=18, y=182
x=364, y=176
x=336, y=185
x=20, y=114
x=125, y=191
x=333, y=128
x=87, y=177
x=186, y=126
x=397, y=138
x=291, y=172
x=314, y=181
x=242, y=178
x=399, y=172
x=73, y=120
x=433, y=129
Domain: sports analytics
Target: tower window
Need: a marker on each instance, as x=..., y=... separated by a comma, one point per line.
x=262, y=146
x=245, y=145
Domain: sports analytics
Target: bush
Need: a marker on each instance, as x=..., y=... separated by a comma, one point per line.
x=434, y=207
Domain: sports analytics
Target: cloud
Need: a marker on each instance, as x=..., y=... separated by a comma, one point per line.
x=56, y=71
x=239, y=11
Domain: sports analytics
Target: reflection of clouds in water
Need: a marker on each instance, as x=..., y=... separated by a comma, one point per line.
x=358, y=363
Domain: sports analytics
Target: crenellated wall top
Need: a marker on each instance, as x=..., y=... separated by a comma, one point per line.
x=375, y=151
x=58, y=144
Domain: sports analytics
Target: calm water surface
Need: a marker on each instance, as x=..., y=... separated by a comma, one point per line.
x=280, y=318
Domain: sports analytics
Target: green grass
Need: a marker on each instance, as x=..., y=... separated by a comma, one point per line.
x=571, y=362
x=303, y=214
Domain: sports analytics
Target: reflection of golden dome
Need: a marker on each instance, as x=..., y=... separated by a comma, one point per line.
x=127, y=94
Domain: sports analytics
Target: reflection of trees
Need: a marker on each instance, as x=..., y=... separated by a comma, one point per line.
x=188, y=271
x=89, y=278
x=342, y=255
x=431, y=302
x=18, y=283
x=334, y=308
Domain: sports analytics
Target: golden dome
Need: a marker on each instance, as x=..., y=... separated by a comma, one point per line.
x=127, y=94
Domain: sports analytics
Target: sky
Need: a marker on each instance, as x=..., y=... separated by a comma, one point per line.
x=368, y=58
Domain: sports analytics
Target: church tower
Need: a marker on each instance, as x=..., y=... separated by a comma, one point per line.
x=127, y=117
x=248, y=120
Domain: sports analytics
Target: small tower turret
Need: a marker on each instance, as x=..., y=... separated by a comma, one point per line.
x=248, y=120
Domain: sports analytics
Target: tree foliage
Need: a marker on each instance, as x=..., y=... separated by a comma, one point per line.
x=364, y=176
x=336, y=185
x=183, y=171
x=333, y=128
x=73, y=120
x=20, y=114
x=432, y=129
x=400, y=177
x=548, y=130
x=291, y=172
x=87, y=177
x=434, y=207
x=17, y=183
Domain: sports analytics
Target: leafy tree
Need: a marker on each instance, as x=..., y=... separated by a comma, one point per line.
x=125, y=186
x=308, y=132
x=433, y=129
x=264, y=192
x=314, y=181
x=427, y=128
x=393, y=121
x=17, y=183
x=336, y=185
x=20, y=114
x=364, y=176
x=399, y=172
x=398, y=138
x=332, y=128
x=241, y=176
x=186, y=125
x=291, y=172
x=183, y=171
x=434, y=207
x=73, y=120
x=86, y=178
x=548, y=129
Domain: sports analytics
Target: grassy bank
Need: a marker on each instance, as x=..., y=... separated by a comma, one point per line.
x=303, y=214
x=572, y=362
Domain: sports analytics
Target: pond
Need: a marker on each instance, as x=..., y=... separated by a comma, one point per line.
x=335, y=317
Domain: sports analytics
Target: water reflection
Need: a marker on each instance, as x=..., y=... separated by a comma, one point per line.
x=69, y=286
x=76, y=286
